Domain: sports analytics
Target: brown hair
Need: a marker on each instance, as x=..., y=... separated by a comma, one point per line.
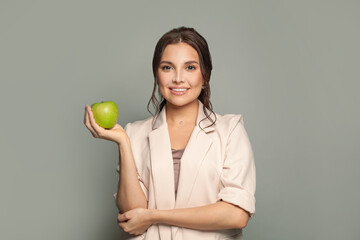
x=198, y=42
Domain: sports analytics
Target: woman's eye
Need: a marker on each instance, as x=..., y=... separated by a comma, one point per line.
x=165, y=68
x=191, y=67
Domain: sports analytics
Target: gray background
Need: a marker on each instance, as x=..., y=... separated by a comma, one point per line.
x=291, y=68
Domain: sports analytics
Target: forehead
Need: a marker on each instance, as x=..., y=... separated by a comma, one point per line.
x=180, y=52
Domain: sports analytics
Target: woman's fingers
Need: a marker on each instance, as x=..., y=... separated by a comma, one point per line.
x=97, y=129
x=122, y=225
x=88, y=123
x=95, y=135
x=122, y=222
x=86, y=119
x=122, y=218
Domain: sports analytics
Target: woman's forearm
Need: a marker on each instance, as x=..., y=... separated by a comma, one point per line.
x=129, y=195
x=220, y=215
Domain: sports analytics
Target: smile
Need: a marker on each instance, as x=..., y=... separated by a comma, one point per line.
x=178, y=91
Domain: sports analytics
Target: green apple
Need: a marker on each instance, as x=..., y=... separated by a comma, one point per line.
x=105, y=113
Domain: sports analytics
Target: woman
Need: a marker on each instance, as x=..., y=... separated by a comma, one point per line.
x=186, y=172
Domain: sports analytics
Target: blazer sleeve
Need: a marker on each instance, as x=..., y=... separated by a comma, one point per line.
x=238, y=176
x=145, y=190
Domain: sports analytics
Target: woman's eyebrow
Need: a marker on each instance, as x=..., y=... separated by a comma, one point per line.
x=190, y=62
x=166, y=62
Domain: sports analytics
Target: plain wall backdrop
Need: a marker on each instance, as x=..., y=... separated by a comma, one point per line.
x=291, y=68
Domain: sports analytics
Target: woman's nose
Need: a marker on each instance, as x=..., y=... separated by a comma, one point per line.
x=177, y=77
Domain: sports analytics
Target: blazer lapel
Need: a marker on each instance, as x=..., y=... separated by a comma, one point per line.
x=193, y=156
x=162, y=169
x=162, y=164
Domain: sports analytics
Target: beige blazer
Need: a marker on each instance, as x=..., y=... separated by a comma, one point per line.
x=217, y=164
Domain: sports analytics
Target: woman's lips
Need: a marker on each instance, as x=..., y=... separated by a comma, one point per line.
x=179, y=91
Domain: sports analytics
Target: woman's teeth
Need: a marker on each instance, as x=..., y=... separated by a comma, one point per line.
x=178, y=89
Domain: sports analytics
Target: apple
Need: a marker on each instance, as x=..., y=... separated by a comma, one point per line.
x=105, y=113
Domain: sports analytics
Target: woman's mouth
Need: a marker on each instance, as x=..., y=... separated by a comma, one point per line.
x=179, y=91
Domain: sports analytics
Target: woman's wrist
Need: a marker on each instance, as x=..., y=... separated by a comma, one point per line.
x=154, y=216
x=123, y=142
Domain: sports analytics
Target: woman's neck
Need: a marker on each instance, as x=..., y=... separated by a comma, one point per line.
x=182, y=115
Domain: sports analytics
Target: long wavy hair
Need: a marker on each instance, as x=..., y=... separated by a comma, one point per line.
x=198, y=42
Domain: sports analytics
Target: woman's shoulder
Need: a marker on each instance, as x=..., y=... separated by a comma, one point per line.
x=231, y=128
x=229, y=117
x=228, y=124
x=228, y=120
x=139, y=125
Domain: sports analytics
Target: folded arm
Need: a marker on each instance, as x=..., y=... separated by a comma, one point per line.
x=219, y=215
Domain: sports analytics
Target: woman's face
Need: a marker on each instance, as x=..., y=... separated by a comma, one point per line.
x=179, y=74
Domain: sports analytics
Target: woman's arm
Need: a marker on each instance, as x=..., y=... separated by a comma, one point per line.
x=129, y=195
x=219, y=215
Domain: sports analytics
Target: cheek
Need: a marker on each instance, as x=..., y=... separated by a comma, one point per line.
x=197, y=81
x=163, y=79
x=162, y=84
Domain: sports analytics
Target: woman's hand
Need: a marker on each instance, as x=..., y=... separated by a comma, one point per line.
x=135, y=221
x=116, y=134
